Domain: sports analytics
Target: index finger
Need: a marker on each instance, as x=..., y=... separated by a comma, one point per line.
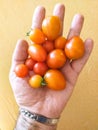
x=38, y=16
x=20, y=53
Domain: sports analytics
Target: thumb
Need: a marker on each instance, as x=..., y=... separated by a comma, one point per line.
x=20, y=53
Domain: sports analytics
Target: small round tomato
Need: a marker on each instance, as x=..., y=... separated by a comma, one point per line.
x=37, y=36
x=37, y=52
x=74, y=48
x=51, y=27
x=40, y=68
x=60, y=42
x=30, y=63
x=55, y=79
x=35, y=81
x=21, y=70
x=56, y=59
x=48, y=45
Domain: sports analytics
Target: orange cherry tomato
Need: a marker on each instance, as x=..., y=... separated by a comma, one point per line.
x=74, y=48
x=48, y=45
x=30, y=63
x=56, y=59
x=37, y=52
x=35, y=81
x=51, y=26
x=60, y=42
x=21, y=70
x=55, y=79
x=37, y=36
x=40, y=68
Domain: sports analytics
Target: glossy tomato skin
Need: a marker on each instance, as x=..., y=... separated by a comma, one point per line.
x=37, y=36
x=40, y=68
x=48, y=45
x=55, y=79
x=21, y=70
x=30, y=63
x=37, y=52
x=56, y=59
x=51, y=27
x=35, y=81
x=74, y=48
x=60, y=42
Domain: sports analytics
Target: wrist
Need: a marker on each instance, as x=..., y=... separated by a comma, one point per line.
x=25, y=123
x=43, y=110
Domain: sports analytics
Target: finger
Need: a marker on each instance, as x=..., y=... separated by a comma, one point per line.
x=79, y=64
x=20, y=53
x=38, y=16
x=59, y=10
x=76, y=26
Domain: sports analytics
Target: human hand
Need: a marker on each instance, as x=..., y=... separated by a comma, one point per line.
x=44, y=100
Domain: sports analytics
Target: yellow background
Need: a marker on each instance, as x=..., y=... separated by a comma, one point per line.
x=81, y=112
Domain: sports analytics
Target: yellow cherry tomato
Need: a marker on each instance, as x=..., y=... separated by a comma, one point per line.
x=37, y=36
x=74, y=48
x=35, y=81
x=51, y=27
x=60, y=42
x=55, y=79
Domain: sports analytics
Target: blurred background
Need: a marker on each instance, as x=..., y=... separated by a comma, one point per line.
x=81, y=112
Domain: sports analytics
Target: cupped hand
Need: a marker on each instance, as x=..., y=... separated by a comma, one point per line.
x=43, y=100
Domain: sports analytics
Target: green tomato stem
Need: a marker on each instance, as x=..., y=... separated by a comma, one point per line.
x=43, y=83
x=28, y=33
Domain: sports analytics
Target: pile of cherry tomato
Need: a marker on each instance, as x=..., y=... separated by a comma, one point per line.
x=47, y=55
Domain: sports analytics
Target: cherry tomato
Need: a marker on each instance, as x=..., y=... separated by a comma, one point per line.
x=21, y=70
x=55, y=79
x=35, y=81
x=40, y=68
x=51, y=26
x=48, y=45
x=60, y=42
x=56, y=59
x=37, y=52
x=30, y=63
x=74, y=48
x=37, y=36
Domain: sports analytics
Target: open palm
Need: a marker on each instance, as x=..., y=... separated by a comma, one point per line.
x=43, y=100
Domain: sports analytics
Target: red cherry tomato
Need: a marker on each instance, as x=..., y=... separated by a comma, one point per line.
x=56, y=59
x=37, y=52
x=55, y=79
x=21, y=70
x=40, y=68
x=48, y=45
x=30, y=63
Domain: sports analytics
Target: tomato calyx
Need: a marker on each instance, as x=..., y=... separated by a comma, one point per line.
x=43, y=83
x=28, y=33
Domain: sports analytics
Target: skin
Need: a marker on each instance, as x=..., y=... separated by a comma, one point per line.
x=43, y=100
